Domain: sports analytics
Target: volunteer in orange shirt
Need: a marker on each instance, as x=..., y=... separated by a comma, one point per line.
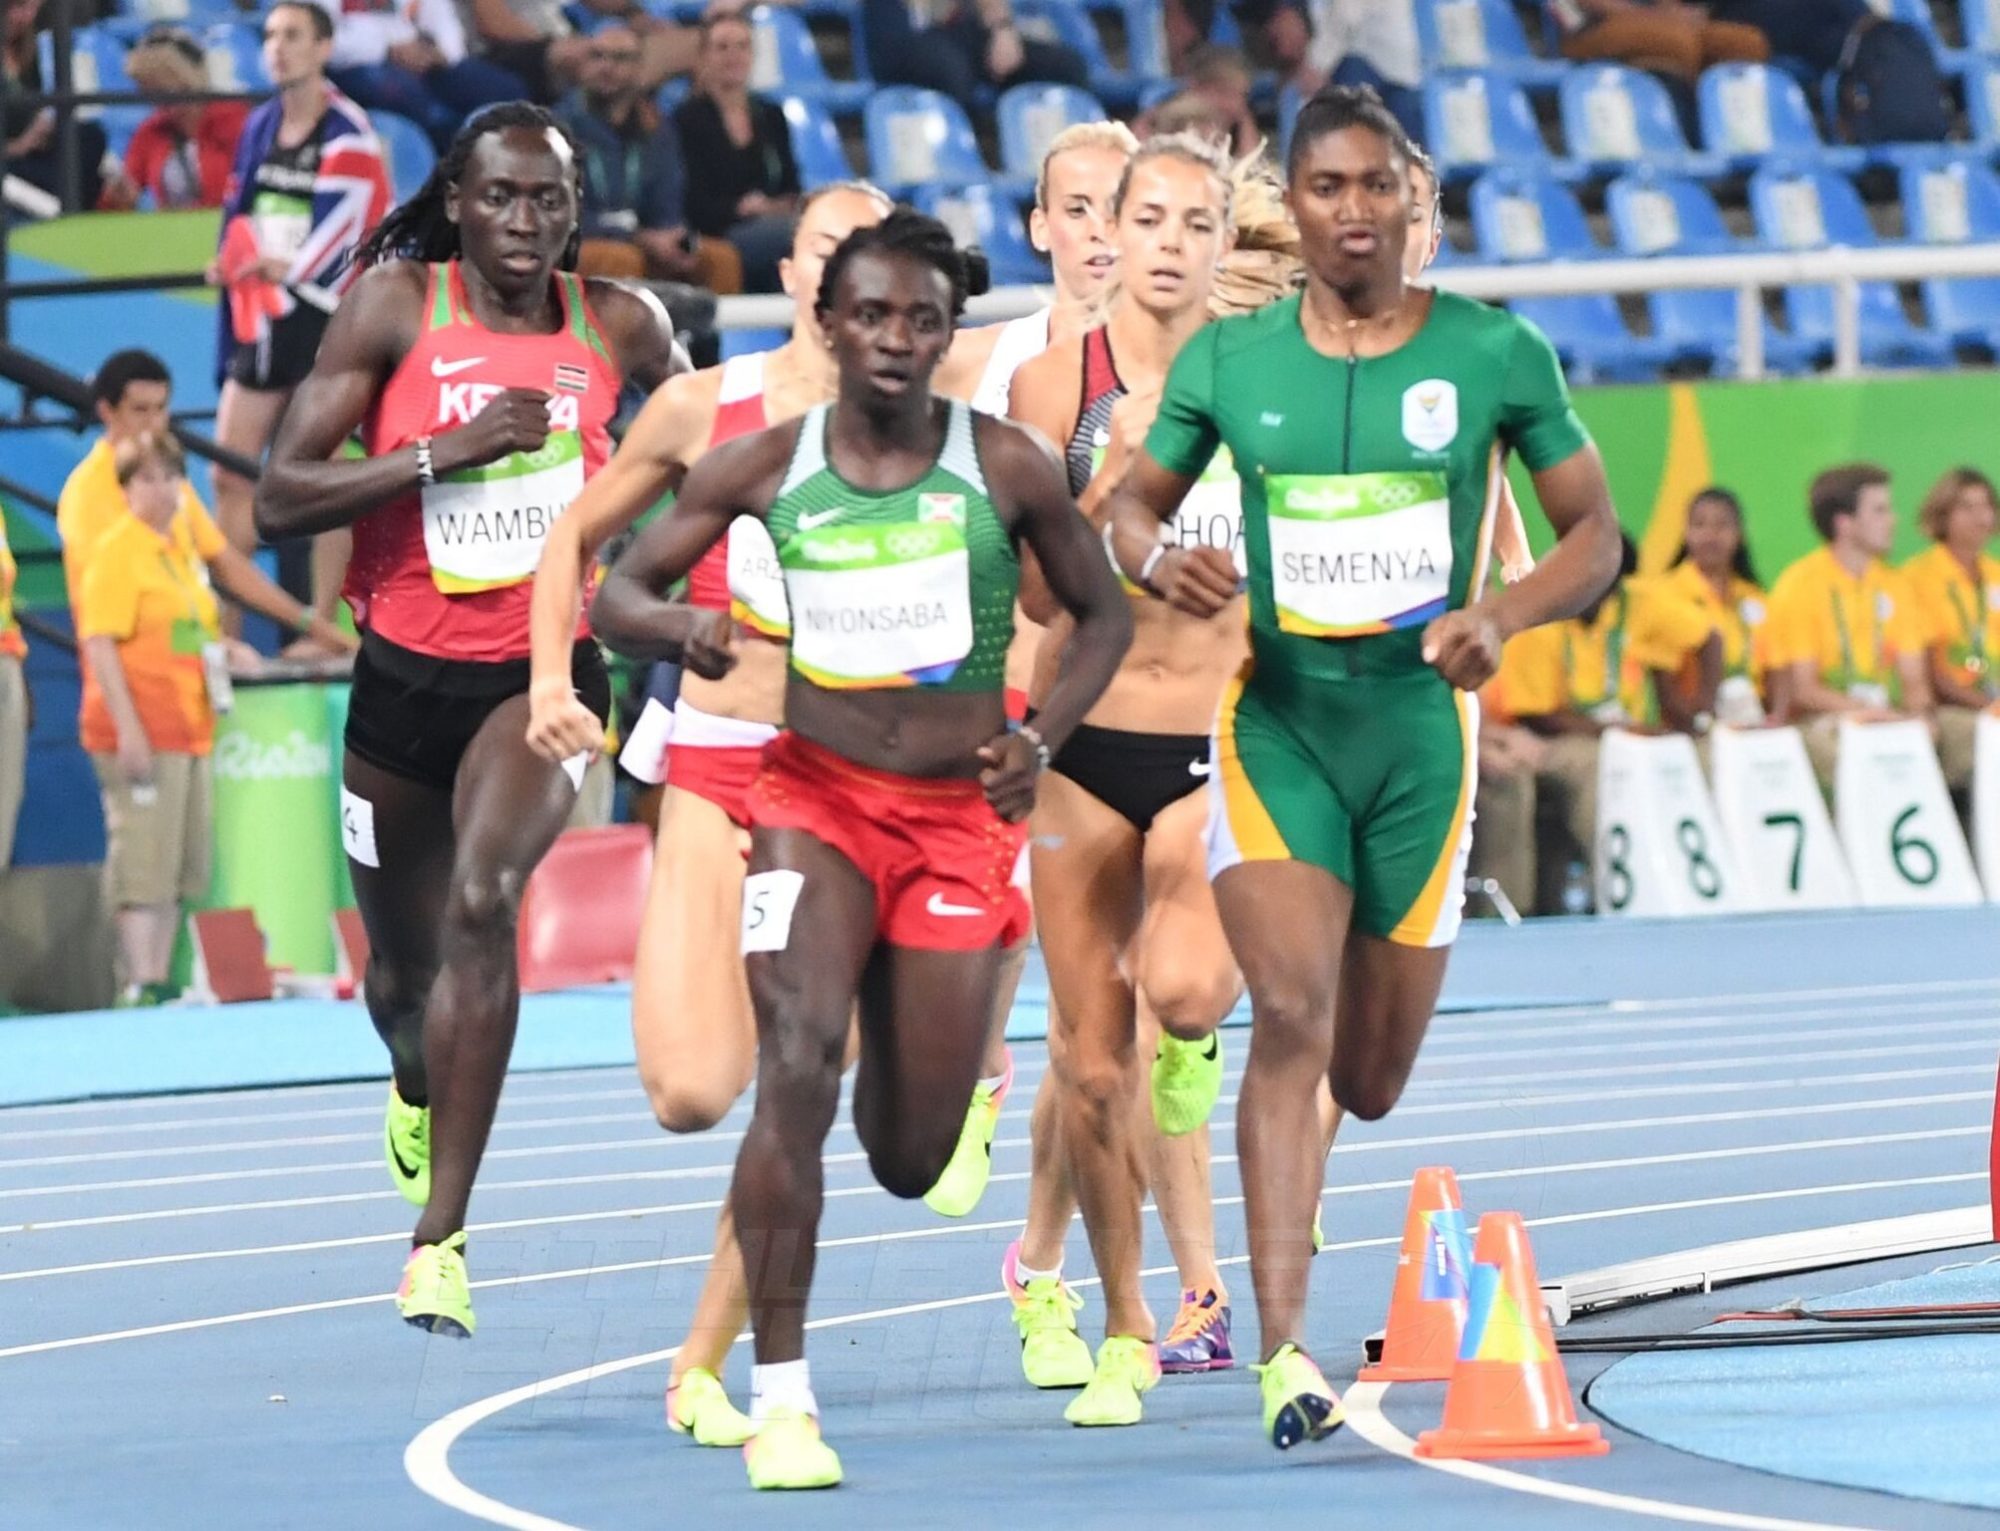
x=1713, y=571
x=1956, y=585
x=1843, y=625
x=155, y=673
x=14, y=710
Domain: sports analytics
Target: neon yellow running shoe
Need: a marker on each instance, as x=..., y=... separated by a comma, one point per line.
x=436, y=1294
x=1319, y=1233
x=1187, y=1077
x=963, y=1182
x=1053, y=1354
x=1298, y=1403
x=786, y=1453
x=406, y=1143
x=698, y=1405
x=1126, y=1367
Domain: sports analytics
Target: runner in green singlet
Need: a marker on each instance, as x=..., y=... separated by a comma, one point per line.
x=1369, y=421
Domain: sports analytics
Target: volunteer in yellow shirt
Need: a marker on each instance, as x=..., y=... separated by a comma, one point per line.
x=155, y=672
x=1956, y=585
x=14, y=713
x=1714, y=574
x=1842, y=625
x=1503, y=837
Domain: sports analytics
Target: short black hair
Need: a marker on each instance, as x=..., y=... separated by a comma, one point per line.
x=1338, y=108
x=905, y=232
x=322, y=23
x=121, y=369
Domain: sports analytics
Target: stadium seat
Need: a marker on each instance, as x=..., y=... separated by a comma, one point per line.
x=744, y=342
x=1618, y=118
x=1477, y=120
x=1482, y=34
x=672, y=93
x=919, y=137
x=1982, y=102
x=408, y=150
x=1030, y=117
x=1955, y=201
x=580, y=915
x=977, y=214
x=1809, y=208
x=1917, y=13
x=1526, y=219
x=234, y=51
x=1980, y=20
x=97, y=62
x=1143, y=23
x=1751, y=112
x=1668, y=215
x=816, y=144
x=786, y=58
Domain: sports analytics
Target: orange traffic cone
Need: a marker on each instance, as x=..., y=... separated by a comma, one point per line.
x=1427, y=1308
x=1509, y=1396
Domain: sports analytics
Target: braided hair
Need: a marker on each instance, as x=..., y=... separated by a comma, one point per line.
x=1337, y=108
x=419, y=229
x=905, y=232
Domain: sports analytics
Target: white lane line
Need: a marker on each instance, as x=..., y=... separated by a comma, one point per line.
x=1363, y=1405
x=624, y=1214
x=1525, y=1130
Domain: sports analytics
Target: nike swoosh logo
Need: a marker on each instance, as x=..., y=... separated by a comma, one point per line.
x=1200, y=767
x=808, y=519
x=442, y=368
x=938, y=906
x=403, y=1167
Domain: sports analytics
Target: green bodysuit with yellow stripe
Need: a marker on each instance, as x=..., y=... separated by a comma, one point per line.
x=1369, y=491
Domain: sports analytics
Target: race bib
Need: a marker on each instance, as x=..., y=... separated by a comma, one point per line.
x=1358, y=553
x=281, y=225
x=879, y=606
x=757, y=579
x=484, y=527
x=1212, y=514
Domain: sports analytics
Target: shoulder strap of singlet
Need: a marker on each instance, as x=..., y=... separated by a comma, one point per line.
x=809, y=451
x=443, y=304
x=960, y=457
x=742, y=377
x=1100, y=367
x=582, y=323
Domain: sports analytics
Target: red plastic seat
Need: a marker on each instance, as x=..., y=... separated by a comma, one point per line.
x=580, y=917
x=229, y=963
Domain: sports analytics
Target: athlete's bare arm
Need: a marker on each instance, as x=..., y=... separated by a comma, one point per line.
x=958, y=375
x=632, y=611
x=1047, y=392
x=640, y=332
x=305, y=488
x=1201, y=580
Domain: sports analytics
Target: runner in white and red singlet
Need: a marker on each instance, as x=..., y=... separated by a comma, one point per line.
x=483, y=374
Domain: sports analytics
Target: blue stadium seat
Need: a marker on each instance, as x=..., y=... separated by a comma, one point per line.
x=408, y=150
x=1918, y=14
x=1143, y=23
x=1980, y=20
x=743, y=342
x=1955, y=201
x=1032, y=115
x=1616, y=118
x=785, y=58
x=1750, y=112
x=1482, y=34
x=672, y=93
x=1670, y=215
x=235, y=55
x=97, y=62
x=919, y=137
x=1477, y=120
x=1525, y=219
x=816, y=144
x=976, y=214
x=1802, y=207
x=1982, y=101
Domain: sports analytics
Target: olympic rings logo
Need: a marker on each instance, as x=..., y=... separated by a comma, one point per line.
x=1397, y=493
x=911, y=542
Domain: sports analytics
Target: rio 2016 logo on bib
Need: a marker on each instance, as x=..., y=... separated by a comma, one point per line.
x=1430, y=414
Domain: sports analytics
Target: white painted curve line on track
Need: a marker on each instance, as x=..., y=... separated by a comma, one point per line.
x=1363, y=1405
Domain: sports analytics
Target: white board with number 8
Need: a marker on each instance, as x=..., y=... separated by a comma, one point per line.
x=1896, y=819
x=1660, y=848
x=1776, y=821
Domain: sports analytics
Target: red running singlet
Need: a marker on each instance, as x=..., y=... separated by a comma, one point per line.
x=739, y=411
x=449, y=571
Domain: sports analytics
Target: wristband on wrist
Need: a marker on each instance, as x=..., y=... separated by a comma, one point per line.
x=1145, y=579
x=426, y=470
x=1033, y=735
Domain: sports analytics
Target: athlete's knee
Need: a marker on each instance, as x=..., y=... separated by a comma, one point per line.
x=1292, y=1017
x=486, y=901
x=681, y=1104
x=1097, y=1082
x=910, y=1163
x=1368, y=1092
x=1188, y=1003
x=395, y=993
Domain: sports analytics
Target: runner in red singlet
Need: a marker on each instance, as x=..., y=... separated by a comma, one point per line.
x=484, y=375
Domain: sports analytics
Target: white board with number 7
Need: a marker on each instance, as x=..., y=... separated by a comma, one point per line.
x=1896, y=820
x=1660, y=848
x=1776, y=821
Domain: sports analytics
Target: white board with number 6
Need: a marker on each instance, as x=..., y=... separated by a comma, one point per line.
x=1777, y=822
x=1660, y=848
x=1896, y=820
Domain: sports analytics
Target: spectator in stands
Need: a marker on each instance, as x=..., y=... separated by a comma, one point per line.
x=1713, y=571
x=309, y=181
x=1842, y=623
x=634, y=224
x=534, y=40
x=411, y=59
x=956, y=46
x=743, y=184
x=30, y=131
x=156, y=672
x=1214, y=100
x=1956, y=586
x=1666, y=38
x=180, y=155
x=16, y=711
x=1315, y=43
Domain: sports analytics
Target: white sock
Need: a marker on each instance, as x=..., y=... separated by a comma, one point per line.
x=782, y=1385
x=1024, y=1273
